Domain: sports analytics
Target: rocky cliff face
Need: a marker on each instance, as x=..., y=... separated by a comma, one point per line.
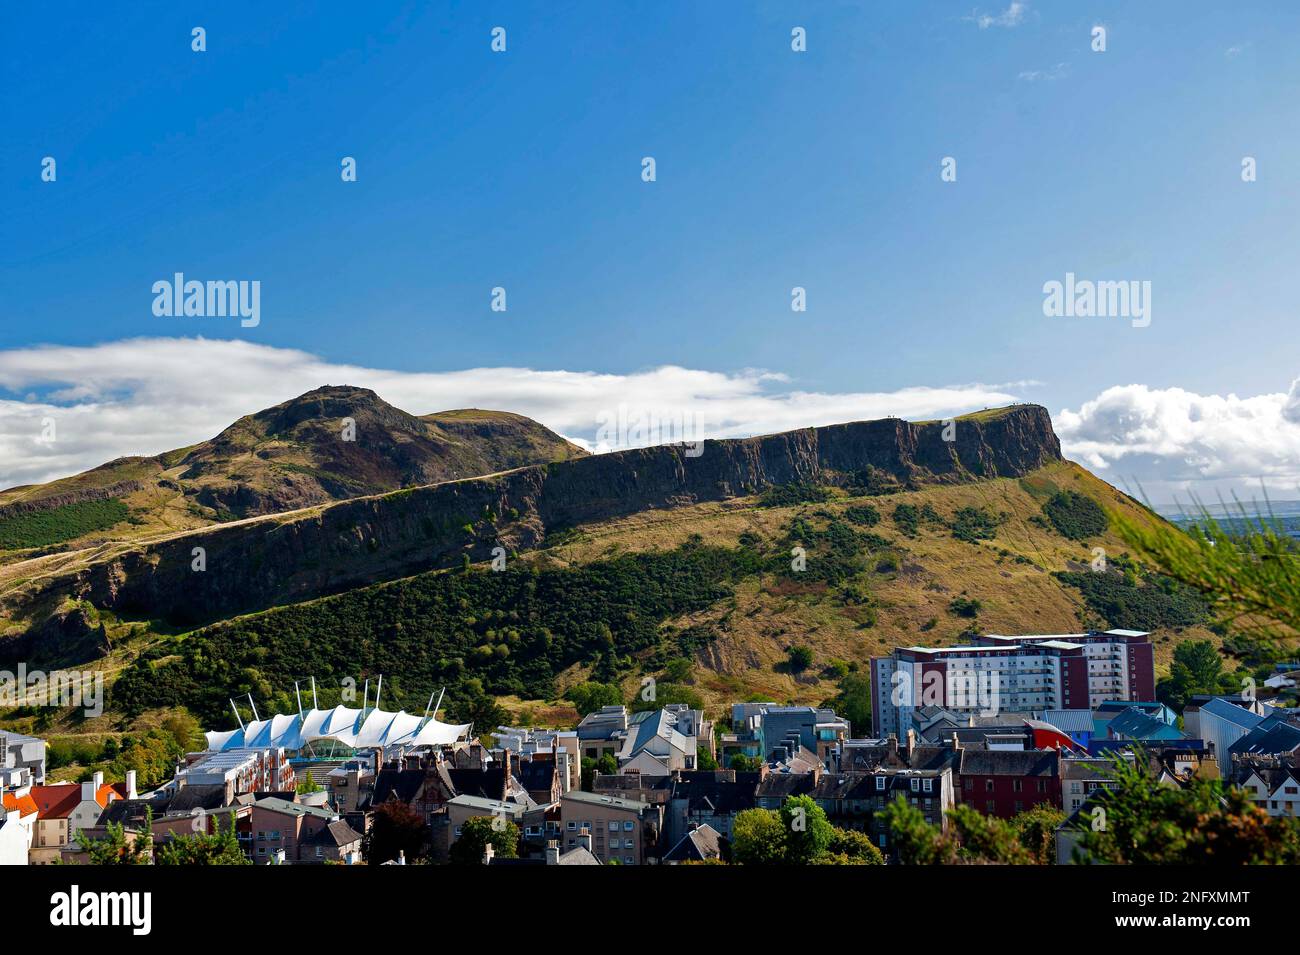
x=287, y=558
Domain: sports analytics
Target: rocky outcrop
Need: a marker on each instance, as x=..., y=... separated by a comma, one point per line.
x=52, y=501
x=254, y=565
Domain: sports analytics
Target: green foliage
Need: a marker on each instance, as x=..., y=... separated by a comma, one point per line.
x=589, y=697
x=438, y=629
x=798, y=834
x=1248, y=574
x=668, y=693
x=972, y=838
x=853, y=702
x=43, y=528
x=1075, y=516
x=965, y=607
x=117, y=847
x=1197, y=668
x=908, y=518
x=1159, y=602
x=477, y=832
x=850, y=847
x=1036, y=829
x=862, y=514
x=798, y=492
x=798, y=658
x=607, y=765
x=757, y=838
x=744, y=764
x=1146, y=823
x=219, y=847
x=704, y=759
x=974, y=524
x=808, y=832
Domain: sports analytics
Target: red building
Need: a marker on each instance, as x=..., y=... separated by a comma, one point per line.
x=1006, y=782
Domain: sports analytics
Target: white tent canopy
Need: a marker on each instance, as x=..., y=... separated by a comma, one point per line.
x=358, y=729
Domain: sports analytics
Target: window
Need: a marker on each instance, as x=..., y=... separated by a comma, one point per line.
x=613, y=825
x=1042, y=785
x=916, y=785
x=968, y=784
x=880, y=782
x=572, y=826
x=613, y=844
x=928, y=785
x=988, y=785
x=629, y=826
x=1017, y=785
x=628, y=860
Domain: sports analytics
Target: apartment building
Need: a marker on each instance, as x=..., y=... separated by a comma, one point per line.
x=621, y=829
x=1000, y=674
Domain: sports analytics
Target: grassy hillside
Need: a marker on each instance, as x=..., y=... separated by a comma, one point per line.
x=703, y=599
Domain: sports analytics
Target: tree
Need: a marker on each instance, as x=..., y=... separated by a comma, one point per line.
x=704, y=759
x=477, y=832
x=117, y=848
x=1139, y=821
x=853, y=702
x=971, y=838
x=744, y=764
x=1196, y=668
x=853, y=847
x=1036, y=829
x=397, y=828
x=589, y=697
x=219, y=847
x=1249, y=573
x=808, y=832
x=797, y=834
x=757, y=838
x=798, y=658
x=588, y=766
x=607, y=765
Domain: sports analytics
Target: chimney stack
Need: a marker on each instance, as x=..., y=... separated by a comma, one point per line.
x=90, y=788
x=130, y=784
x=584, y=838
x=553, y=852
x=488, y=852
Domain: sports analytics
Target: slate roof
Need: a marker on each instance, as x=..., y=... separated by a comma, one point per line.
x=485, y=783
x=293, y=808
x=1135, y=724
x=1269, y=737
x=780, y=785
x=1232, y=713
x=704, y=794
x=699, y=844
x=336, y=834
x=1008, y=762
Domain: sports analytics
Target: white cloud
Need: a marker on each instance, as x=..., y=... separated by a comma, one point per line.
x=1055, y=73
x=1012, y=16
x=145, y=396
x=1235, y=50
x=1177, y=443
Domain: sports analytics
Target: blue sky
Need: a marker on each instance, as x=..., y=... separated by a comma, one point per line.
x=774, y=169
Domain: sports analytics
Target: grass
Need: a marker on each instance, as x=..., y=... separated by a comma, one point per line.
x=61, y=523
